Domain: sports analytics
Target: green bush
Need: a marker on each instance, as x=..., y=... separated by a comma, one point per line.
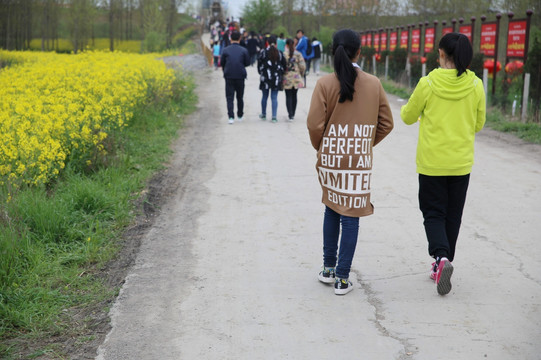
x=477, y=64
x=324, y=35
x=281, y=30
x=182, y=37
x=397, y=63
x=432, y=61
x=154, y=42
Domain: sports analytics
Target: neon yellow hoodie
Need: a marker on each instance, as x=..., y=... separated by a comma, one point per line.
x=451, y=110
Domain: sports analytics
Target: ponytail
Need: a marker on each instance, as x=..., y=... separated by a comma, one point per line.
x=457, y=47
x=290, y=46
x=346, y=43
x=274, y=55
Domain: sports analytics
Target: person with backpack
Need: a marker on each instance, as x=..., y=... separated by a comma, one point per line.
x=316, y=50
x=305, y=48
x=348, y=107
x=450, y=106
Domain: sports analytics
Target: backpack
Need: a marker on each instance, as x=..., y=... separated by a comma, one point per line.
x=317, y=51
x=308, y=48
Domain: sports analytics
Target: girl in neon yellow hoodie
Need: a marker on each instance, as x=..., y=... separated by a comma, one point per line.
x=450, y=105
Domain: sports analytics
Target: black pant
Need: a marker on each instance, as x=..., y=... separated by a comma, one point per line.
x=233, y=86
x=441, y=199
x=291, y=102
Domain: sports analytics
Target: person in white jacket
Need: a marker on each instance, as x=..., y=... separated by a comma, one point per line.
x=317, y=49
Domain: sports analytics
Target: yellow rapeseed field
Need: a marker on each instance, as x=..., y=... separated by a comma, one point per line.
x=57, y=106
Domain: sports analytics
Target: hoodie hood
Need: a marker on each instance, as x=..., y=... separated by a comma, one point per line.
x=445, y=84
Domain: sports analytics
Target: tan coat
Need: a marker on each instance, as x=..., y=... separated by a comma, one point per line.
x=343, y=135
x=293, y=77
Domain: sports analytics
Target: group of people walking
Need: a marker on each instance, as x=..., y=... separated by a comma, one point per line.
x=349, y=114
x=282, y=64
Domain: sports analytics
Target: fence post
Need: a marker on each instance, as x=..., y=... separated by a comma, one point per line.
x=423, y=69
x=494, y=70
x=386, y=67
x=526, y=94
x=485, y=81
x=374, y=64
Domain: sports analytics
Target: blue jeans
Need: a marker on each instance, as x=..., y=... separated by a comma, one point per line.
x=274, y=100
x=348, y=242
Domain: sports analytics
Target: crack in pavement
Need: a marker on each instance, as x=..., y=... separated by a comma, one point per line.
x=376, y=303
x=517, y=258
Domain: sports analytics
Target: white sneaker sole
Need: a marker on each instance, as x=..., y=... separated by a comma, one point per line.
x=344, y=291
x=325, y=279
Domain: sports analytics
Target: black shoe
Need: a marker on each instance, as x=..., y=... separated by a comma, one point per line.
x=342, y=286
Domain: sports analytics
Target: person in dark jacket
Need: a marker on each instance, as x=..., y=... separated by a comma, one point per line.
x=234, y=60
x=252, y=44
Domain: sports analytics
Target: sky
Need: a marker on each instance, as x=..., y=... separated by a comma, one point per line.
x=234, y=6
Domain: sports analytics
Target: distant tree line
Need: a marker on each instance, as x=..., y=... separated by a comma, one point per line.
x=82, y=20
x=312, y=15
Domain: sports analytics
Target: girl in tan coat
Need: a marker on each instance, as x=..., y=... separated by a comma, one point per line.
x=349, y=114
x=293, y=77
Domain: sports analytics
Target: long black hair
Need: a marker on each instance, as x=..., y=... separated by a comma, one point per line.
x=458, y=48
x=290, y=46
x=345, y=44
x=274, y=55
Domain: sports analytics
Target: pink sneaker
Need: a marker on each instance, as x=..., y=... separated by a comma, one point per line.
x=443, y=276
x=433, y=271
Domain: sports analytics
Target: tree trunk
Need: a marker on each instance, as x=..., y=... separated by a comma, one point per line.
x=111, y=26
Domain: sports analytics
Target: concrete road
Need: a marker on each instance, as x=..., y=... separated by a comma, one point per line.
x=229, y=271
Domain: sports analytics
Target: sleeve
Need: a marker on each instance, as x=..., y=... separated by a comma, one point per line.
x=416, y=104
x=481, y=110
x=317, y=116
x=302, y=64
x=223, y=60
x=246, y=58
x=260, y=62
x=385, y=117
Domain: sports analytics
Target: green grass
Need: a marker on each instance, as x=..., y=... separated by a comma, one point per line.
x=54, y=239
x=529, y=131
x=391, y=87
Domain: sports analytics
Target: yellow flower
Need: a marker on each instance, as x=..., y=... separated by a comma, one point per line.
x=51, y=104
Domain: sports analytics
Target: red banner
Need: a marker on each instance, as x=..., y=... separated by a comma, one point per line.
x=446, y=30
x=516, y=39
x=369, y=40
x=415, y=41
x=363, y=40
x=404, y=39
x=430, y=33
x=383, y=41
x=466, y=30
x=376, y=42
x=488, y=39
x=393, y=41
